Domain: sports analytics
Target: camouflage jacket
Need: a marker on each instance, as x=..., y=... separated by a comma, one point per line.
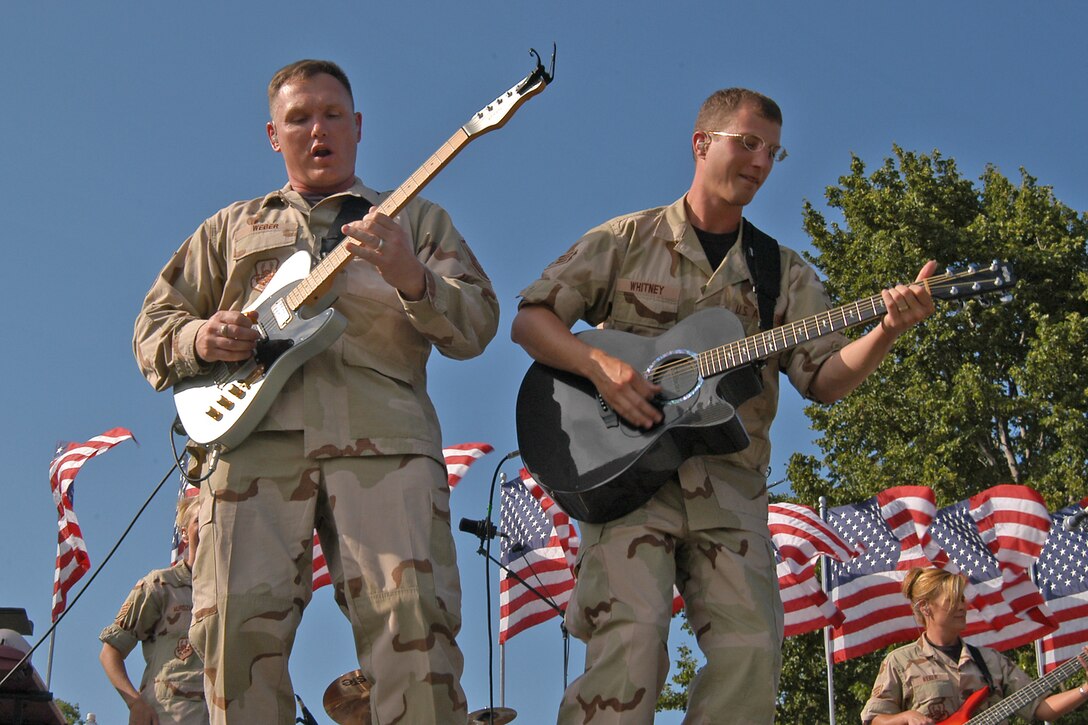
x=919, y=677
x=364, y=395
x=646, y=271
x=156, y=614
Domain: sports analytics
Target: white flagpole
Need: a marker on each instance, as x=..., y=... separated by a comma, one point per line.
x=1037, y=645
x=502, y=675
x=49, y=660
x=828, y=660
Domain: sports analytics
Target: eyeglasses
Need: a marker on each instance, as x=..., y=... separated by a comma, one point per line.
x=753, y=142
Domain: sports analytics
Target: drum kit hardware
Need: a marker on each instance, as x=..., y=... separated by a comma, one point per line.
x=347, y=702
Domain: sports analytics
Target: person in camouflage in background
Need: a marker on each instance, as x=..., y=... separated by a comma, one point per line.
x=705, y=530
x=928, y=681
x=351, y=445
x=156, y=614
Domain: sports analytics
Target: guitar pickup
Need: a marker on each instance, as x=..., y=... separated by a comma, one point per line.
x=281, y=312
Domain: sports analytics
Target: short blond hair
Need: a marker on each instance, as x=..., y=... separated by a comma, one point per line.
x=186, y=510
x=929, y=586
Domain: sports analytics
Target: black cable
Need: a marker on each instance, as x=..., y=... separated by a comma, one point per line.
x=93, y=576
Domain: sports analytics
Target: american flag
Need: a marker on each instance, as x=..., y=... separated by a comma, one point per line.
x=1062, y=575
x=534, y=547
x=994, y=538
x=72, y=559
x=458, y=458
x=892, y=527
x=799, y=536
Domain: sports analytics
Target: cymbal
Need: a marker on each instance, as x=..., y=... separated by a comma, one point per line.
x=347, y=699
x=492, y=716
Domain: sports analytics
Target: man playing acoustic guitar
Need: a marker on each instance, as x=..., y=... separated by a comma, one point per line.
x=705, y=530
x=351, y=445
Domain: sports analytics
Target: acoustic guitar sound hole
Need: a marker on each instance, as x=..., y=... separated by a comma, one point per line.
x=677, y=372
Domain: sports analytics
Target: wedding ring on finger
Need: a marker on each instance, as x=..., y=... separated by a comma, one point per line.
x=381, y=243
x=903, y=306
x=223, y=330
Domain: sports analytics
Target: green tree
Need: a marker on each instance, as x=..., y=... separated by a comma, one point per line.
x=973, y=397
x=982, y=393
x=71, y=713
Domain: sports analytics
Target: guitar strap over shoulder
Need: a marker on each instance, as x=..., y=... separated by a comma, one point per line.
x=977, y=657
x=351, y=209
x=765, y=266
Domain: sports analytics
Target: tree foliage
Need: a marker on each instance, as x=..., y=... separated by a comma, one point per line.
x=981, y=393
x=71, y=713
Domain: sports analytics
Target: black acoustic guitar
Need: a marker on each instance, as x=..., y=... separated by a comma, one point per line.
x=597, y=467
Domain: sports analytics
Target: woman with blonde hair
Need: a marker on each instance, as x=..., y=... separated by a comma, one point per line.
x=928, y=681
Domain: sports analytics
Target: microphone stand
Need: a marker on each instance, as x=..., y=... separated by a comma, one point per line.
x=485, y=531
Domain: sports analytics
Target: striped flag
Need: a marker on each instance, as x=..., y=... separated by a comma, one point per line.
x=72, y=559
x=893, y=529
x=458, y=458
x=994, y=538
x=799, y=536
x=1062, y=576
x=539, y=544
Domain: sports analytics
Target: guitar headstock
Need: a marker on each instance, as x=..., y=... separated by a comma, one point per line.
x=972, y=280
x=498, y=112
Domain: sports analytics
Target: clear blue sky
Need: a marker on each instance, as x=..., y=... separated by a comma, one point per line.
x=127, y=123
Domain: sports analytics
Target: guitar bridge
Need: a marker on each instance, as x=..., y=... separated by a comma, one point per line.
x=611, y=420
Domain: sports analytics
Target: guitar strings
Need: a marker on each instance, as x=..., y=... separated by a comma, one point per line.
x=734, y=350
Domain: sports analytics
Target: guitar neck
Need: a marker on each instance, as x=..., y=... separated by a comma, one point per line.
x=317, y=283
x=757, y=347
x=999, y=712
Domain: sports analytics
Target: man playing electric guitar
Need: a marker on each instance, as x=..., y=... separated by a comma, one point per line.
x=705, y=530
x=351, y=444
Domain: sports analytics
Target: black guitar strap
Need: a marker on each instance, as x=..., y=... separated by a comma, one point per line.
x=977, y=657
x=351, y=209
x=765, y=266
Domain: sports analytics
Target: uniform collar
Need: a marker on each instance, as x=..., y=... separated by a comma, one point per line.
x=287, y=196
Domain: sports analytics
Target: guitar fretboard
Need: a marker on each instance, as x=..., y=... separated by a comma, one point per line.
x=316, y=284
x=741, y=352
x=999, y=712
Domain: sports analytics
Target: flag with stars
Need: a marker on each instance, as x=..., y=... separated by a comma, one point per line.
x=539, y=558
x=893, y=529
x=1062, y=576
x=799, y=536
x=994, y=538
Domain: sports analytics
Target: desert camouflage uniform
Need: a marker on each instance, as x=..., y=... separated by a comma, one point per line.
x=919, y=677
x=352, y=446
x=706, y=530
x=156, y=614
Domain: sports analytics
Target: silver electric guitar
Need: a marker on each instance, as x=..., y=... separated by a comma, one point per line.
x=294, y=318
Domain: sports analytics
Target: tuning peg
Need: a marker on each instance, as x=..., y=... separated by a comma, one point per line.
x=1005, y=298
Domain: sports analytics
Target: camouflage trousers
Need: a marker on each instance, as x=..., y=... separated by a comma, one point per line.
x=384, y=524
x=621, y=608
